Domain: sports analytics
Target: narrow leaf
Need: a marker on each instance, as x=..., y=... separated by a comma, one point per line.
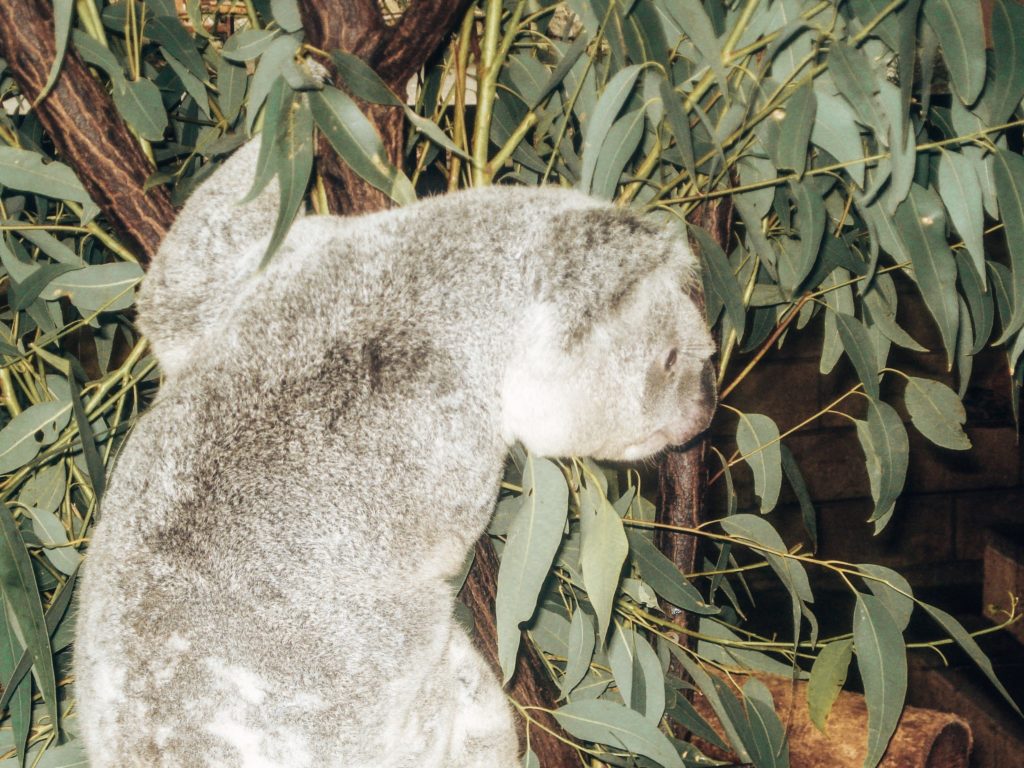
x=603, y=550
x=757, y=437
x=958, y=26
x=882, y=660
x=529, y=550
x=605, y=112
x=828, y=674
x=605, y=722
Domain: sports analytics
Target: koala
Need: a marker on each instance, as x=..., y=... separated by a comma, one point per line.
x=268, y=584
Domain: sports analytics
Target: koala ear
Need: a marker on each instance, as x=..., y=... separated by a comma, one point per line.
x=213, y=245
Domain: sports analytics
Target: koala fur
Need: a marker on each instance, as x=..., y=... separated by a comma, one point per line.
x=267, y=585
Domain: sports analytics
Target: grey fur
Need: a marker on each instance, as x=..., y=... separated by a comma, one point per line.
x=267, y=585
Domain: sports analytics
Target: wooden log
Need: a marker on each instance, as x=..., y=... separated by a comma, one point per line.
x=924, y=738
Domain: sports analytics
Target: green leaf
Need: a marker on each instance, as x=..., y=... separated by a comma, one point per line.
x=835, y=130
x=1009, y=178
x=99, y=56
x=729, y=651
x=858, y=347
x=800, y=107
x=63, y=10
x=433, y=131
x=959, y=29
x=141, y=106
x=882, y=660
x=620, y=144
x=880, y=301
x=97, y=286
x=810, y=225
x=767, y=736
x=533, y=539
x=894, y=592
x=855, y=80
x=21, y=596
x=663, y=576
x=25, y=170
x=886, y=450
x=582, y=637
x=796, y=481
x=979, y=301
x=790, y=572
x=232, y=82
x=955, y=630
x=23, y=437
x=679, y=124
x=558, y=74
x=607, y=109
x=937, y=412
x=828, y=675
x=44, y=488
x=248, y=44
x=637, y=672
x=20, y=696
x=961, y=194
x=921, y=222
x=286, y=13
x=757, y=437
x=22, y=294
x=712, y=693
x=357, y=142
x=1003, y=93
x=93, y=462
x=603, y=550
x=720, y=279
x=294, y=166
x=54, y=538
x=176, y=40
x=605, y=722
x=273, y=61
x=192, y=84
x=361, y=81
x=692, y=18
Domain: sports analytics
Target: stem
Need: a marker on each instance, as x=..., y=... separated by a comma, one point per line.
x=487, y=81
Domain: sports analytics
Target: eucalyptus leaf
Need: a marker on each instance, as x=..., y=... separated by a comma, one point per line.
x=26, y=434
x=886, y=449
x=603, y=550
x=757, y=437
x=937, y=412
x=881, y=658
x=533, y=539
x=921, y=222
x=605, y=722
x=607, y=109
x=582, y=637
x=959, y=29
x=143, y=109
x=357, y=142
x=828, y=674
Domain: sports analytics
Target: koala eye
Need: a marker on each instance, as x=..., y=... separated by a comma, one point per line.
x=670, y=359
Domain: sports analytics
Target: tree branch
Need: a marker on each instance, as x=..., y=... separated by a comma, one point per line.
x=395, y=53
x=80, y=118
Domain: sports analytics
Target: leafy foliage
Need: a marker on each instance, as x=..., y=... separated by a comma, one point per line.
x=856, y=185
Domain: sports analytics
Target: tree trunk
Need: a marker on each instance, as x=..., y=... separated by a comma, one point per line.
x=85, y=127
x=396, y=53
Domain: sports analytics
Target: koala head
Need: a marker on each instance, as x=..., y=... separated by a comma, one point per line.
x=637, y=380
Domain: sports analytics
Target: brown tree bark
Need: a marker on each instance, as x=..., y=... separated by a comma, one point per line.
x=85, y=127
x=395, y=52
x=682, y=476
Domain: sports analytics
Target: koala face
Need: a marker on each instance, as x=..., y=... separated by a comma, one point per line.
x=639, y=381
